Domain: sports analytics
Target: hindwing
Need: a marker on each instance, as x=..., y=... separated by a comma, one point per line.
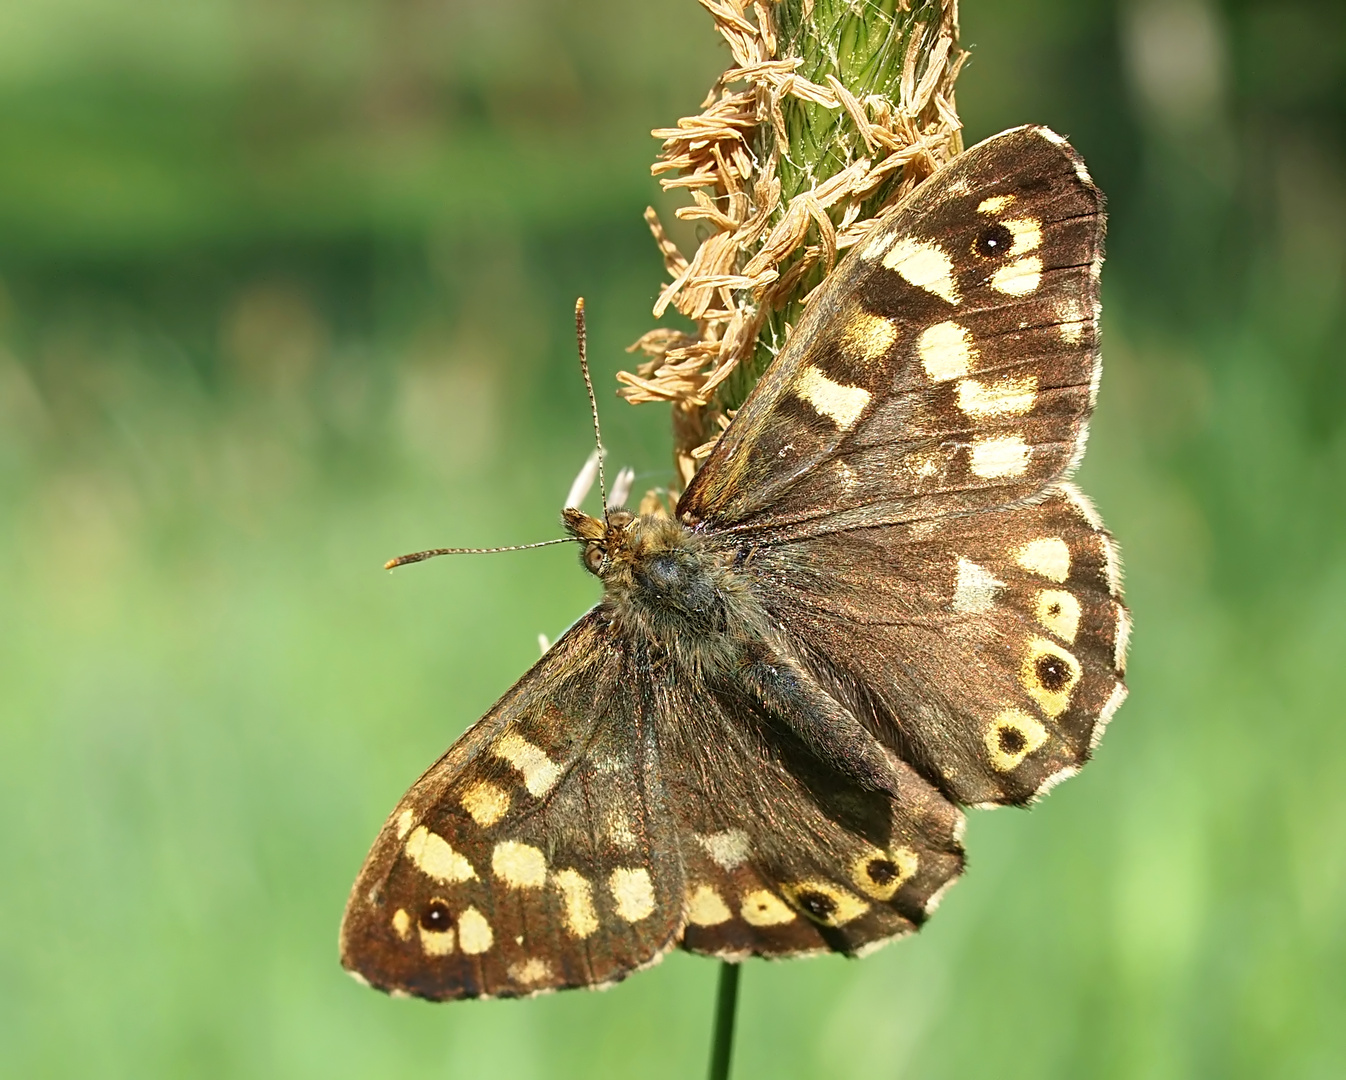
x=783, y=855
x=987, y=650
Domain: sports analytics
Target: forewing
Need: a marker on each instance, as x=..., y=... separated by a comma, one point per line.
x=784, y=855
x=538, y=853
x=948, y=364
x=987, y=650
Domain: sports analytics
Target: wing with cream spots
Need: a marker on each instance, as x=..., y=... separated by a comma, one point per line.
x=948, y=364
x=538, y=853
x=608, y=809
x=987, y=651
x=784, y=855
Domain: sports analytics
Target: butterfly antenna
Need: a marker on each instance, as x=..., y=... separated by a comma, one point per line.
x=421, y=556
x=581, y=336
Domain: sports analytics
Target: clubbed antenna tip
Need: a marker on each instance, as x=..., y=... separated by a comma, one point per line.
x=421, y=556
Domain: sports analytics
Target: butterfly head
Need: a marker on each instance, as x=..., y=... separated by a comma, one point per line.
x=658, y=575
x=604, y=538
x=652, y=555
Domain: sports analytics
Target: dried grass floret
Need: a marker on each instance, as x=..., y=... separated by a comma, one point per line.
x=785, y=172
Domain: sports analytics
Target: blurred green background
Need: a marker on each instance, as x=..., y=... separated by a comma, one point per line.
x=285, y=290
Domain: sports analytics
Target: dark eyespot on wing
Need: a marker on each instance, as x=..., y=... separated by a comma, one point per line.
x=1012, y=740
x=1052, y=672
x=994, y=240
x=436, y=917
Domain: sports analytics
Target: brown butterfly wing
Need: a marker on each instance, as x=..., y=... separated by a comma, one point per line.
x=949, y=363
x=539, y=853
x=784, y=855
x=987, y=650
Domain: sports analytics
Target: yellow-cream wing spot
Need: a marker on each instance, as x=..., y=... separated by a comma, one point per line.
x=1072, y=331
x=532, y=971
x=437, y=942
x=433, y=856
x=946, y=351
x=474, y=932
x=727, y=849
x=632, y=893
x=1059, y=612
x=521, y=866
x=705, y=907
x=839, y=403
x=999, y=456
x=925, y=265
x=1009, y=396
x=539, y=772
x=1018, y=278
x=1048, y=557
x=577, y=896
x=868, y=337
x=762, y=908
x=1027, y=233
x=486, y=802
x=975, y=588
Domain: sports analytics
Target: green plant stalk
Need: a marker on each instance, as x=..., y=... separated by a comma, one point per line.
x=726, y=1011
x=863, y=45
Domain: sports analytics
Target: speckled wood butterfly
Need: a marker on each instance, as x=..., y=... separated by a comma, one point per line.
x=878, y=601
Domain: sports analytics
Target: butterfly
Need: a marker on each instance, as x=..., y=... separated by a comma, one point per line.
x=878, y=602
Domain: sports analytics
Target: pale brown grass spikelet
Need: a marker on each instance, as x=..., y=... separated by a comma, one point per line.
x=774, y=207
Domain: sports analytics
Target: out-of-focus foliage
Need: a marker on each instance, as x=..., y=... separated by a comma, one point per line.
x=286, y=291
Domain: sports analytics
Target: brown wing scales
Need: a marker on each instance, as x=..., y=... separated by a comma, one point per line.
x=949, y=364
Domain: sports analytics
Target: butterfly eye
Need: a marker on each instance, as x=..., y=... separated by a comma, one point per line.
x=436, y=917
x=593, y=558
x=994, y=240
